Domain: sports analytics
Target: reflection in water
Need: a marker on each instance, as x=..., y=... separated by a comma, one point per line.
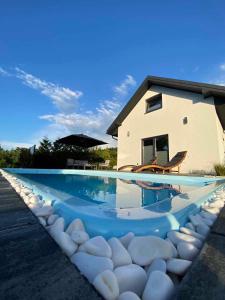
x=154, y=196
x=107, y=193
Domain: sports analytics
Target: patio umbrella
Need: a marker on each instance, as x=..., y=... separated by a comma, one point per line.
x=80, y=140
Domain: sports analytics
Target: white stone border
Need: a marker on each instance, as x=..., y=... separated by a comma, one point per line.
x=130, y=267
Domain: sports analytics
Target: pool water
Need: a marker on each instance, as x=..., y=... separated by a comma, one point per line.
x=115, y=204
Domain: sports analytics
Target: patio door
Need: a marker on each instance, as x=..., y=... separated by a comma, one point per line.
x=158, y=147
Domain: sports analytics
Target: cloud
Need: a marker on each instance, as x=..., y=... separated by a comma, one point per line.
x=70, y=118
x=219, y=76
x=220, y=82
x=12, y=145
x=222, y=67
x=123, y=87
x=92, y=122
x=3, y=72
x=63, y=98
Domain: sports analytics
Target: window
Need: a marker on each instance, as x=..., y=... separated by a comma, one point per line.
x=154, y=103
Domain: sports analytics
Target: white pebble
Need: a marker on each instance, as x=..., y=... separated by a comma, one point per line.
x=65, y=242
x=126, y=239
x=217, y=204
x=79, y=236
x=208, y=222
x=97, y=246
x=189, y=225
x=44, y=211
x=52, y=219
x=158, y=287
x=191, y=232
x=75, y=225
x=174, y=250
x=34, y=199
x=90, y=266
x=202, y=229
x=42, y=221
x=158, y=264
x=131, y=278
x=214, y=211
x=178, y=266
x=144, y=250
x=177, y=237
x=120, y=255
x=196, y=219
x=187, y=251
x=58, y=226
x=106, y=284
x=128, y=296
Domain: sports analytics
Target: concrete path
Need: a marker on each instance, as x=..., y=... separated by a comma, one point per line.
x=32, y=266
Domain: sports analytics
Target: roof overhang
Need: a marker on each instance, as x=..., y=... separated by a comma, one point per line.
x=207, y=90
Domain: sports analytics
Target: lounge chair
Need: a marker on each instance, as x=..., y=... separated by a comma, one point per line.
x=131, y=167
x=175, y=162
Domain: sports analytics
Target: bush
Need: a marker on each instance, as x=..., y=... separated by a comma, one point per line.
x=220, y=169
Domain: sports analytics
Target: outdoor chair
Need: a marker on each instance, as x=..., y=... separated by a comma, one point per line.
x=70, y=162
x=175, y=162
x=74, y=163
x=104, y=165
x=83, y=164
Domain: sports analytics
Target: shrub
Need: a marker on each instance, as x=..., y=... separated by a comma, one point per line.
x=220, y=169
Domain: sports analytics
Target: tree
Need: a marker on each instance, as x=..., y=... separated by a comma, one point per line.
x=45, y=146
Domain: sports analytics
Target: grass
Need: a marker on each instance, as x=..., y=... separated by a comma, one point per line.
x=220, y=169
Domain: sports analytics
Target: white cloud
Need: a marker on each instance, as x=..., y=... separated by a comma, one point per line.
x=219, y=82
x=222, y=67
x=3, y=72
x=91, y=122
x=70, y=119
x=13, y=145
x=123, y=88
x=63, y=98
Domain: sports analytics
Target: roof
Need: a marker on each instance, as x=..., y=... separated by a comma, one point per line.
x=80, y=140
x=205, y=89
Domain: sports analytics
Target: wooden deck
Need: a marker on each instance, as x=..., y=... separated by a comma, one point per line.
x=32, y=266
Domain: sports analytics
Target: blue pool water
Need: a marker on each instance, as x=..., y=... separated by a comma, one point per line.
x=112, y=203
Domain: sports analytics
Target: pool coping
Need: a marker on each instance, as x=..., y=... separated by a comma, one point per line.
x=32, y=264
x=122, y=175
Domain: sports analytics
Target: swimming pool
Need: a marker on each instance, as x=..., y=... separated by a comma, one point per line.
x=114, y=203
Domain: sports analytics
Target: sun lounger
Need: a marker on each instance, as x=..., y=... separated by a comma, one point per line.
x=175, y=162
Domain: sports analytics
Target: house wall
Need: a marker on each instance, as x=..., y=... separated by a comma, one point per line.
x=202, y=136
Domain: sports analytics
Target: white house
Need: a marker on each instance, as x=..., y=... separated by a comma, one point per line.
x=166, y=116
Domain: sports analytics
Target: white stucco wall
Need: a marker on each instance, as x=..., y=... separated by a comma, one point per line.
x=202, y=136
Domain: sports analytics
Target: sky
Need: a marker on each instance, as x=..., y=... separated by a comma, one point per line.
x=70, y=66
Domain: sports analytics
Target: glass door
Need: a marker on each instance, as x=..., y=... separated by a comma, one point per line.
x=155, y=147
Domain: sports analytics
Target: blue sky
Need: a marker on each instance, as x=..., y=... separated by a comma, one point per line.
x=70, y=66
